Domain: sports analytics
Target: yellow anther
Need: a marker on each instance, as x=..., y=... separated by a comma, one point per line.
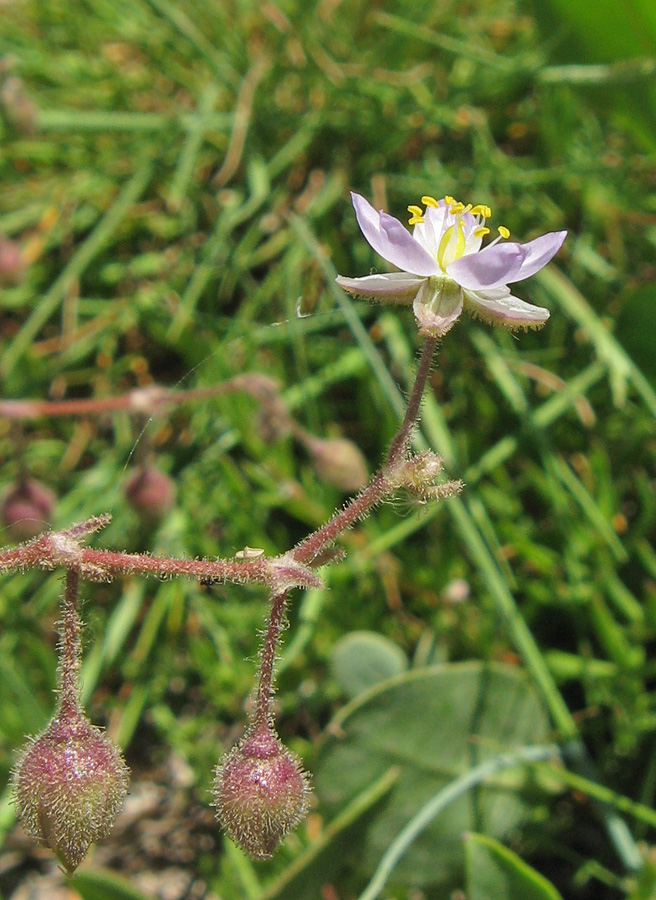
x=416, y=210
x=415, y=220
x=481, y=210
x=429, y=201
x=503, y=231
x=456, y=208
x=482, y=231
x=449, y=200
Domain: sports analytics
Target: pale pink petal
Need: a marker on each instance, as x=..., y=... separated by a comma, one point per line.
x=489, y=268
x=387, y=286
x=437, y=306
x=392, y=240
x=499, y=307
x=539, y=252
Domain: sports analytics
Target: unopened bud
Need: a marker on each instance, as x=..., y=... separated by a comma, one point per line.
x=27, y=509
x=273, y=420
x=260, y=792
x=12, y=264
x=339, y=462
x=69, y=785
x=150, y=493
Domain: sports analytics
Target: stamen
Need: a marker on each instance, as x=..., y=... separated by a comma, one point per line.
x=503, y=231
x=481, y=210
x=415, y=220
x=481, y=232
x=416, y=210
x=457, y=208
x=429, y=201
x=449, y=200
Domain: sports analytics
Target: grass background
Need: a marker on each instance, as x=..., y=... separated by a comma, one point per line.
x=177, y=175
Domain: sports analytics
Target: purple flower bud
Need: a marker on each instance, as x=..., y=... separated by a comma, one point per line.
x=69, y=785
x=12, y=264
x=273, y=420
x=260, y=792
x=27, y=509
x=150, y=493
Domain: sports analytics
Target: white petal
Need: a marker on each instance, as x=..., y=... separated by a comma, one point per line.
x=389, y=286
x=429, y=232
x=499, y=307
x=392, y=240
x=492, y=267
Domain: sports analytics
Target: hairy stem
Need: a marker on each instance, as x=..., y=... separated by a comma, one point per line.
x=147, y=400
x=380, y=486
x=69, y=646
x=401, y=442
x=262, y=715
x=53, y=549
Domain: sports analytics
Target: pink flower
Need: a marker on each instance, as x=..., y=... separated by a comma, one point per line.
x=443, y=269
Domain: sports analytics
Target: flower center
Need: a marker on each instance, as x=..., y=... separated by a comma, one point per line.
x=455, y=230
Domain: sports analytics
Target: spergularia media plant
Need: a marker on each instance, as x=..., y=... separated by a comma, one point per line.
x=70, y=781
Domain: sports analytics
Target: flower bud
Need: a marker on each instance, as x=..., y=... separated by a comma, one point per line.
x=69, y=785
x=150, y=493
x=260, y=792
x=12, y=264
x=339, y=462
x=273, y=422
x=27, y=508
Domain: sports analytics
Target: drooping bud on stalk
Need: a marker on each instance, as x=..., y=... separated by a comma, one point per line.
x=69, y=786
x=27, y=509
x=150, y=493
x=336, y=461
x=12, y=264
x=69, y=782
x=260, y=792
x=339, y=462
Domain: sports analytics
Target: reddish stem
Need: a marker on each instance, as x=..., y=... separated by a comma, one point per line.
x=102, y=564
x=358, y=507
x=55, y=549
x=69, y=647
x=401, y=442
x=146, y=400
x=262, y=716
x=380, y=486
